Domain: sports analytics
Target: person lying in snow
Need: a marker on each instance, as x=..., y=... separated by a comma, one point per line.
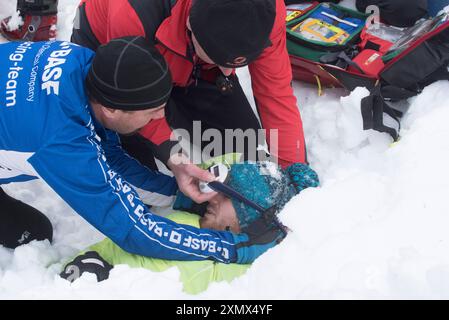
x=263, y=183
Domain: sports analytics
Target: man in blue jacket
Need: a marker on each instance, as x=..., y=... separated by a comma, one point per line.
x=61, y=109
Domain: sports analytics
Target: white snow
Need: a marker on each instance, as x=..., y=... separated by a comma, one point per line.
x=376, y=228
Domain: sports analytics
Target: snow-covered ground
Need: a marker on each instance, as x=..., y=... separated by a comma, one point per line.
x=376, y=228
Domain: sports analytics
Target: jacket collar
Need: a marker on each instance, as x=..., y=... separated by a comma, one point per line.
x=173, y=32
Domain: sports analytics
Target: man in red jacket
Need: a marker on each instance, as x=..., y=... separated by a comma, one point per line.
x=203, y=41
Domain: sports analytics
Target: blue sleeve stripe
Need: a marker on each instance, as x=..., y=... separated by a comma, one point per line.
x=166, y=246
x=97, y=146
x=191, y=232
x=200, y=234
x=91, y=139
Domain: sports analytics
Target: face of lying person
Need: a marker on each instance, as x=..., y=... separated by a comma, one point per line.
x=220, y=215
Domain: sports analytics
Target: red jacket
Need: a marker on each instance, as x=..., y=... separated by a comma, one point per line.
x=271, y=73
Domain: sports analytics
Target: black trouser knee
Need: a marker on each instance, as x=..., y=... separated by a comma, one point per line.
x=140, y=149
x=21, y=223
x=205, y=103
x=223, y=113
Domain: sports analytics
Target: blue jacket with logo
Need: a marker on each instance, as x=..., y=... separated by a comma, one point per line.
x=48, y=131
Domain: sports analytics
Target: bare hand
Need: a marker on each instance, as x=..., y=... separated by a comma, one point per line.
x=188, y=177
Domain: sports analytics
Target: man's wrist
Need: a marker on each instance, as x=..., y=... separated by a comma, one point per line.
x=165, y=150
x=178, y=159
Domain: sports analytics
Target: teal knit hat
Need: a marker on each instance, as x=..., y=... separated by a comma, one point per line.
x=267, y=185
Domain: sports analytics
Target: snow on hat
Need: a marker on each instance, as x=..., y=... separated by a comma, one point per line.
x=267, y=185
x=233, y=32
x=129, y=74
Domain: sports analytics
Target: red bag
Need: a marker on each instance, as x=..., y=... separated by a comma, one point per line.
x=369, y=41
x=369, y=61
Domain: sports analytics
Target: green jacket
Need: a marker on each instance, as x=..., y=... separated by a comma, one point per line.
x=195, y=275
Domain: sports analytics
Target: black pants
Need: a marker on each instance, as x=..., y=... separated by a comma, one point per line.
x=21, y=223
x=201, y=101
x=205, y=103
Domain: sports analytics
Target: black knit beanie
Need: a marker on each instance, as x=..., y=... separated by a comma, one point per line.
x=129, y=74
x=233, y=32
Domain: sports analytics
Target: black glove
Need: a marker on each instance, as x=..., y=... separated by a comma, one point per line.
x=261, y=235
x=90, y=262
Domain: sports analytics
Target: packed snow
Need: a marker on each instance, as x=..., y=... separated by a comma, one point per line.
x=377, y=227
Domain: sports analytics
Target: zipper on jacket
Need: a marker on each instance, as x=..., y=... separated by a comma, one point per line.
x=196, y=72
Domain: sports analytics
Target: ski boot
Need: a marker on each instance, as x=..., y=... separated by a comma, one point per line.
x=39, y=21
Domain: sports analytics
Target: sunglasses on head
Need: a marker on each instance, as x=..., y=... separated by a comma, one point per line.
x=221, y=172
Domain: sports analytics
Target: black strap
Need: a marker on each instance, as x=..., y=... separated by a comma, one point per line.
x=394, y=93
x=372, y=45
x=233, y=194
x=373, y=108
x=375, y=105
x=344, y=56
x=340, y=59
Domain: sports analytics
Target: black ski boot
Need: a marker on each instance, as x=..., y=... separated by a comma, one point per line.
x=39, y=21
